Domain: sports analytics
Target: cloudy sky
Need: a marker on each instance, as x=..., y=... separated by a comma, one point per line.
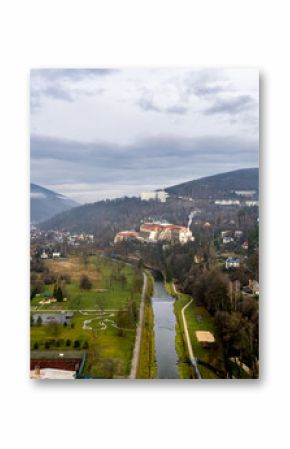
x=105, y=133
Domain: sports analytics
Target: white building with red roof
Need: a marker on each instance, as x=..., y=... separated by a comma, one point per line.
x=154, y=232
x=165, y=232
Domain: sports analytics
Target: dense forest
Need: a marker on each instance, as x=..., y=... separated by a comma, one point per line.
x=105, y=218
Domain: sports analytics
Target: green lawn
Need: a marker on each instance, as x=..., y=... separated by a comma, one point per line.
x=109, y=350
x=147, y=361
x=197, y=319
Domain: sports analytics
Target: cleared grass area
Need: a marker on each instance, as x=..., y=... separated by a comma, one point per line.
x=197, y=319
x=111, y=284
x=108, y=342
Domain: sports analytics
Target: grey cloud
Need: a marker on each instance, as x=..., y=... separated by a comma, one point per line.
x=162, y=161
x=207, y=90
x=231, y=106
x=57, y=92
x=204, y=83
x=177, y=109
x=54, y=84
x=147, y=103
x=72, y=74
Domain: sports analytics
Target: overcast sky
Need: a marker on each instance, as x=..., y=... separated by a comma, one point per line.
x=104, y=133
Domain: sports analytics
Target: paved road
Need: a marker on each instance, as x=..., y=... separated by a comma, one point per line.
x=136, y=352
x=188, y=342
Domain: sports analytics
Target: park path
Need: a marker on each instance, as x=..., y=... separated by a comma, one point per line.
x=136, y=352
x=188, y=342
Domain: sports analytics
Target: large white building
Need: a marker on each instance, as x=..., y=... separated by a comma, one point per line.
x=227, y=202
x=154, y=232
x=158, y=195
x=165, y=232
x=247, y=193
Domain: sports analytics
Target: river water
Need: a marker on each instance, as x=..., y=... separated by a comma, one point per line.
x=164, y=327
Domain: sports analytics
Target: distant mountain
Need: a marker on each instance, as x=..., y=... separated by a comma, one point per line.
x=45, y=203
x=222, y=185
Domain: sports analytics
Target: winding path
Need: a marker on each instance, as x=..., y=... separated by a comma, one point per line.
x=188, y=342
x=136, y=352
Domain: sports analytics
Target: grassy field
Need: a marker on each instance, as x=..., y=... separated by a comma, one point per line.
x=107, y=336
x=147, y=362
x=197, y=319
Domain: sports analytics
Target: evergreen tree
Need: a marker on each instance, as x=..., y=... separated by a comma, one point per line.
x=59, y=295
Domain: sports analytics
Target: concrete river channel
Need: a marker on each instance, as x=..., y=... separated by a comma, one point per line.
x=164, y=328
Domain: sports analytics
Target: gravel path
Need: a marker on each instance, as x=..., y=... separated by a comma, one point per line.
x=136, y=352
x=189, y=347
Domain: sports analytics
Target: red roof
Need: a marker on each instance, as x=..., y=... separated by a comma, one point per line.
x=151, y=227
x=129, y=233
x=160, y=227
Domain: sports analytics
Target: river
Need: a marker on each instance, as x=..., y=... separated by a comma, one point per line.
x=164, y=328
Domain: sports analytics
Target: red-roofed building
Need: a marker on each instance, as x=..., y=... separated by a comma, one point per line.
x=125, y=235
x=153, y=232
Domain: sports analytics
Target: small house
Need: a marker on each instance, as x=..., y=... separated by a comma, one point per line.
x=232, y=262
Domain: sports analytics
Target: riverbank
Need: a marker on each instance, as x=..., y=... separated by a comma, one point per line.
x=147, y=362
x=197, y=319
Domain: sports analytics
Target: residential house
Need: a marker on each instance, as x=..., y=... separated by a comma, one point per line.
x=227, y=240
x=232, y=262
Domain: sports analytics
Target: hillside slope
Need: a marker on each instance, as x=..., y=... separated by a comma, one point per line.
x=222, y=185
x=45, y=203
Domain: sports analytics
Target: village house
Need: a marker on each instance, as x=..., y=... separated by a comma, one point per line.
x=227, y=240
x=55, y=255
x=238, y=233
x=44, y=255
x=252, y=203
x=245, y=245
x=232, y=262
x=254, y=287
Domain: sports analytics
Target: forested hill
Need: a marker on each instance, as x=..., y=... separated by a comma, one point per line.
x=104, y=218
x=218, y=186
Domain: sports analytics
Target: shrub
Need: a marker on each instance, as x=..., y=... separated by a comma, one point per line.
x=66, y=278
x=77, y=344
x=85, y=282
x=49, y=278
